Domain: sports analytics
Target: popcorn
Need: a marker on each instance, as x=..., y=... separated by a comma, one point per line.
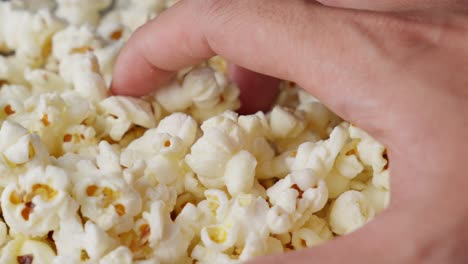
x=121, y=255
x=27, y=33
x=81, y=12
x=350, y=211
x=320, y=156
x=166, y=238
x=373, y=154
x=82, y=71
x=18, y=147
x=120, y=113
x=74, y=40
x=109, y=201
x=22, y=250
x=284, y=124
x=36, y=204
x=172, y=177
x=3, y=234
x=314, y=232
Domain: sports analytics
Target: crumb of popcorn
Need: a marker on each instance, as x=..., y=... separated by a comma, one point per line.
x=173, y=177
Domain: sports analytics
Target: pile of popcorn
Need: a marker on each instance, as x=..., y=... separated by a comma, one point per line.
x=173, y=177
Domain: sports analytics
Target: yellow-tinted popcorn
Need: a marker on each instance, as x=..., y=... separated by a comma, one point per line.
x=27, y=33
x=82, y=71
x=22, y=250
x=3, y=234
x=121, y=255
x=120, y=113
x=36, y=204
x=108, y=200
x=350, y=211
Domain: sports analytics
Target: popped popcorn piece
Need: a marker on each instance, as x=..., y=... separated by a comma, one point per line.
x=19, y=147
x=166, y=238
x=372, y=153
x=121, y=255
x=108, y=200
x=205, y=255
x=321, y=156
x=36, y=204
x=120, y=113
x=22, y=251
x=284, y=124
x=314, y=232
x=3, y=233
x=350, y=211
x=378, y=198
x=75, y=40
x=210, y=154
x=27, y=33
x=80, y=12
x=82, y=71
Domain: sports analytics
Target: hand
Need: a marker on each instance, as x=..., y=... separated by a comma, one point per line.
x=400, y=76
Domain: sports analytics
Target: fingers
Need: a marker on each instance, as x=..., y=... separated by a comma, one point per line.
x=395, y=5
x=335, y=54
x=258, y=91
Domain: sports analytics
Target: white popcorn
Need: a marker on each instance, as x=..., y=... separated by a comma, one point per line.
x=79, y=139
x=372, y=153
x=108, y=200
x=297, y=196
x=22, y=250
x=18, y=147
x=45, y=81
x=83, y=11
x=96, y=242
x=107, y=56
x=201, y=85
x=240, y=173
x=121, y=255
x=221, y=141
x=166, y=237
x=36, y=204
x=121, y=112
x=320, y=156
x=82, y=71
x=284, y=124
x=378, y=198
x=337, y=184
x=350, y=211
x=27, y=33
x=173, y=98
x=74, y=40
x=205, y=255
x=3, y=233
x=314, y=232
x=180, y=125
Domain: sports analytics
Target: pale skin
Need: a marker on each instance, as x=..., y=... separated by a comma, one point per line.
x=402, y=75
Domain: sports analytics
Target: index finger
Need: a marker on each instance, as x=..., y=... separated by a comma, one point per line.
x=335, y=54
x=270, y=37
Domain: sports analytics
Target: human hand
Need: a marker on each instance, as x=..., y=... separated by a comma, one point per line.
x=400, y=76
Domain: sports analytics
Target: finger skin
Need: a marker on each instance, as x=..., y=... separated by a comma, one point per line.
x=397, y=5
